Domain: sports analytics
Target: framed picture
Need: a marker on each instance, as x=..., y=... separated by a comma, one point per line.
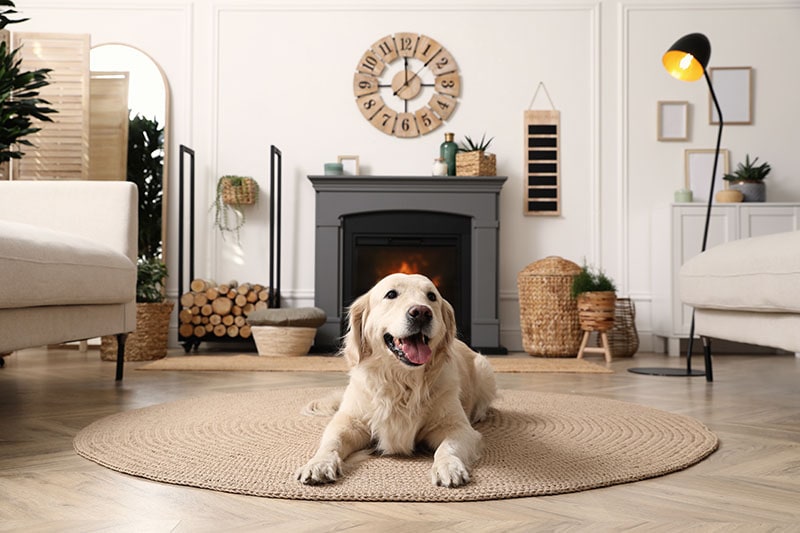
x=673, y=121
x=699, y=165
x=734, y=89
x=349, y=164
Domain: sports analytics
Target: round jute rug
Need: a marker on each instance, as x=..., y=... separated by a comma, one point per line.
x=535, y=444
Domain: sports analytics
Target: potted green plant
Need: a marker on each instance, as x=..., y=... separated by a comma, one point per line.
x=233, y=193
x=472, y=159
x=19, y=95
x=153, y=310
x=595, y=293
x=748, y=178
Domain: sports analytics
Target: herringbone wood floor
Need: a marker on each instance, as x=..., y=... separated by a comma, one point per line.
x=752, y=483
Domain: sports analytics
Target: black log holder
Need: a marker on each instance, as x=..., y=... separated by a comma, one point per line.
x=191, y=342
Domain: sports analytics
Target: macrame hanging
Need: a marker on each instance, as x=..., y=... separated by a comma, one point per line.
x=542, y=159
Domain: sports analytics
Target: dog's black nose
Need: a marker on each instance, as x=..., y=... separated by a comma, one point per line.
x=421, y=314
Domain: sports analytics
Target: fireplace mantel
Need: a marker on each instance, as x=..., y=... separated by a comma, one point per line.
x=475, y=197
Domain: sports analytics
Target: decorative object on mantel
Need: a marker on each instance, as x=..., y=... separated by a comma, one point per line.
x=350, y=165
x=596, y=297
x=439, y=167
x=447, y=152
x=333, y=169
x=472, y=159
x=687, y=60
x=542, y=159
x=749, y=179
x=233, y=192
x=548, y=311
x=683, y=195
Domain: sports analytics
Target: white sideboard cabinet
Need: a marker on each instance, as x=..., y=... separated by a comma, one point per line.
x=677, y=235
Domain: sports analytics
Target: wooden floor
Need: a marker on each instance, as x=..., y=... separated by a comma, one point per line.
x=752, y=483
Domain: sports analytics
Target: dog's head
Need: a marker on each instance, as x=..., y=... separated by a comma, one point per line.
x=404, y=317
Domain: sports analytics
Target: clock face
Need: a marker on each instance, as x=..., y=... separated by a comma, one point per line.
x=406, y=84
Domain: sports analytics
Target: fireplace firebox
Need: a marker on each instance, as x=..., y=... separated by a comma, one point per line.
x=446, y=227
x=434, y=244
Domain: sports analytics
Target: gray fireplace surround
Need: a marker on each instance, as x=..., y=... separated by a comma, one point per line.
x=475, y=197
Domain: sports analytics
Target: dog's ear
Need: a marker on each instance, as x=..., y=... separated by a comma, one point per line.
x=450, y=326
x=355, y=347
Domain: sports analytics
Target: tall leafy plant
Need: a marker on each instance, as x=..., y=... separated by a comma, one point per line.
x=146, y=170
x=19, y=94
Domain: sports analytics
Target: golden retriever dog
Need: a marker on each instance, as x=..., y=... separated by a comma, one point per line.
x=412, y=384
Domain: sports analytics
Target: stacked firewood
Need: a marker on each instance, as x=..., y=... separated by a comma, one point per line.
x=210, y=310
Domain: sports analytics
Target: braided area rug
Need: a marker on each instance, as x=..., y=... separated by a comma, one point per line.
x=535, y=444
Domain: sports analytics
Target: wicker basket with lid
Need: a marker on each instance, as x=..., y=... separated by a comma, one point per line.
x=548, y=312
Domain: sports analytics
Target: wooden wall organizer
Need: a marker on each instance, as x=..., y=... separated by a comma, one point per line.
x=542, y=160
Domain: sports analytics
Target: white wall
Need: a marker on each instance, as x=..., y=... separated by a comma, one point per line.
x=247, y=74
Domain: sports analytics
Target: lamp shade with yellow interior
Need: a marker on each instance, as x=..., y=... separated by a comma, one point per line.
x=687, y=59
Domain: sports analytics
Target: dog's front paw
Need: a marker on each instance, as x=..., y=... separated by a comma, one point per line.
x=319, y=470
x=449, y=472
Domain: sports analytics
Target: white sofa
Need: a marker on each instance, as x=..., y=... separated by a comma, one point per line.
x=67, y=262
x=747, y=290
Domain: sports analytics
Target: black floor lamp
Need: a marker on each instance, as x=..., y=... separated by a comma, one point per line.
x=687, y=60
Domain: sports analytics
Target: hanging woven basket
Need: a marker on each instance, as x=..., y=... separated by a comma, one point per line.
x=239, y=191
x=596, y=310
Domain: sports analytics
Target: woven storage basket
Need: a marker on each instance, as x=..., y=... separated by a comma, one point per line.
x=283, y=340
x=623, y=339
x=243, y=193
x=548, y=312
x=149, y=341
x=475, y=164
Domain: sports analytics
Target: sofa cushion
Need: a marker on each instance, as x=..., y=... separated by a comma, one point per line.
x=755, y=274
x=53, y=268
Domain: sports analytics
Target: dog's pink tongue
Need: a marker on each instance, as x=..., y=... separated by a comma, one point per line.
x=416, y=350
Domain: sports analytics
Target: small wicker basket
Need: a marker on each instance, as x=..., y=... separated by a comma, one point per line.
x=149, y=341
x=283, y=340
x=596, y=310
x=623, y=339
x=548, y=312
x=476, y=163
x=242, y=191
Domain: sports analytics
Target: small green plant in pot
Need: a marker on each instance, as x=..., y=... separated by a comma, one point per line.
x=233, y=193
x=472, y=159
x=748, y=178
x=596, y=296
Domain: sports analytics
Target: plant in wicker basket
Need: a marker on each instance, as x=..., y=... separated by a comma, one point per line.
x=472, y=159
x=233, y=192
x=596, y=296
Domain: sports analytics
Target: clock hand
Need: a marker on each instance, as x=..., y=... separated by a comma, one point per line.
x=415, y=75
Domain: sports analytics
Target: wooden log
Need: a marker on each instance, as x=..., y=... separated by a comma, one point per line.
x=233, y=331
x=199, y=331
x=185, y=316
x=261, y=305
x=236, y=310
x=196, y=319
x=227, y=320
x=224, y=289
x=209, y=328
x=215, y=319
x=252, y=297
x=186, y=330
x=231, y=294
x=239, y=321
x=245, y=331
x=247, y=309
x=212, y=293
x=244, y=288
x=220, y=330
x=222, y=306
x=187, y=299
x=200, y=299
x=240, y=300
x=206, y=310
x=200, y=285
x=263, y=295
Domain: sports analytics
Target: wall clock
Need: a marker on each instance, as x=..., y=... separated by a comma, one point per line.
x=406, y=84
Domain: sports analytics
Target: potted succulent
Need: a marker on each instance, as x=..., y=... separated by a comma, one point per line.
x=19, y=95
x=472, y=159
x=233, y=192
x=748, y=178
x=596, y=295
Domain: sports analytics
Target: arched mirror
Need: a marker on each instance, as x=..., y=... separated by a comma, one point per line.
x=129, y=133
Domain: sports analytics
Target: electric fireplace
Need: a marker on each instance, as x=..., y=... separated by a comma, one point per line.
x=445, y=227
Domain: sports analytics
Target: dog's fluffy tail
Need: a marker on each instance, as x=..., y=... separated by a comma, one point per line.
x=326, y=406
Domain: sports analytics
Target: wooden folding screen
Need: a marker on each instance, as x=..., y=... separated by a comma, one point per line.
x=108, y=126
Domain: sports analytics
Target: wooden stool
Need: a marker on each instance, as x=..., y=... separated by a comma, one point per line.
x=605, y=350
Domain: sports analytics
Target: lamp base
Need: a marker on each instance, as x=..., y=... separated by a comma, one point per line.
x=676, y=372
